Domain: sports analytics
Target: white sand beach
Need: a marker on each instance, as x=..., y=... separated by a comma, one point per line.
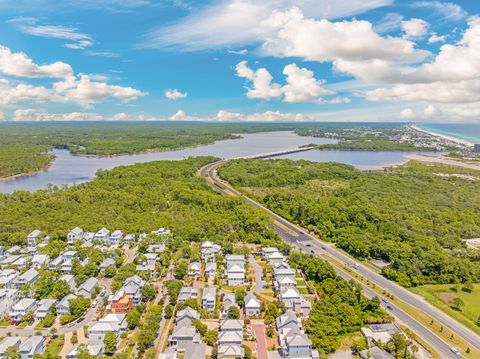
x=445, y=137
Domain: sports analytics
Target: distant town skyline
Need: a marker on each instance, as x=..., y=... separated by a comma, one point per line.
x=240, y=60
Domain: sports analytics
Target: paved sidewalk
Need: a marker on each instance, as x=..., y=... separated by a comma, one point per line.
x=67, y=345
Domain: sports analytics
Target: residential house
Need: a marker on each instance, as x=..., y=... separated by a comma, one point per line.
x=211, y=269
x=187, y=293
x=266, y=251
x=252, y=305
x=275, y=257
x=40, y=260
x=56, y=263
x=161, y=232
x=116, y=237
x=194, y=270
x=31, y=346
x=195, y=351
x=284, y=283
x=131, y=287
x=129, y=238
x=228, y=301
x=231, y=338
x=282, y=272
x=75, y=234
x=151, y=258
x=209, y=298
x=186, y=316
x=232, y=259
x=9, y=342
x=230, y=351
x=156, y=248
x=182, y=336
x=8, y=297
x=149, y=269
x=89, y=236
x=44, y=306
x=169, y=353
x=71, y=255
x=209, y=251
x=13, y=250
x=231, y=325
x=70, y=279
x=235, y=275
x=294, y=300
x=119, y=302
x=93, y=349
x=298, y=346
x=21, y=308
x=87, y=289
x=8, y=278
x=107, y=262
x=63, y=307
x=27, y=278
x=32, y=238
x=102, y=235
x=112, y=322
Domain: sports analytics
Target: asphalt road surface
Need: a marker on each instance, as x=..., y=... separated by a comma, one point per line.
x=300, y=238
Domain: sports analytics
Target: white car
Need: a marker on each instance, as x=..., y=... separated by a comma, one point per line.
x=455, y=351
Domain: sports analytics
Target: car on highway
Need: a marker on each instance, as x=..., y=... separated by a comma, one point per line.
x=71, y=324
x=312, y=251
x=389, y=307
x=308, y=245
x=455, y=351
x=385, y=300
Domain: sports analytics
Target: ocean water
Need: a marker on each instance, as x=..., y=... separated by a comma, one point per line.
x=464, y=131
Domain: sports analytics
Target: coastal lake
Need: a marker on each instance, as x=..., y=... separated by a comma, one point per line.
x=69, y=169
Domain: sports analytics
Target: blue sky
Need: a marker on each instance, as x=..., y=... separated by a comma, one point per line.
x=240, y=60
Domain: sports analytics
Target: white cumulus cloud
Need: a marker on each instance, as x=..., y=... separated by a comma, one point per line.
x=415, y=28
x=301, y=84
x=174, y=94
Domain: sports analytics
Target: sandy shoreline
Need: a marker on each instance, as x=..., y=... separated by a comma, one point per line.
x=445, y=137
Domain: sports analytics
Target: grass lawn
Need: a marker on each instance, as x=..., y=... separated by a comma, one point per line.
x=4, y=324
x=22, y=325
x=301, y=283
x=56, y=345
x=440, y=294
x=303, y=291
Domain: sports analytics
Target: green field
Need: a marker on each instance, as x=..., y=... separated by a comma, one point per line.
x=440, y=294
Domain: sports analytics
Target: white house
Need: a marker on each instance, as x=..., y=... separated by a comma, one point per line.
x=31, y=346
x=40, y=260
x=29, y=277
x=32, y=238
x=235, y=275
x=56, y=263
x=70, y=279
x=112, y=322
x=187, y=293
x=252, y=305
x=209, y=297
x=298, y=346
x=8, y=297
x=44, y=306
x=75, y=234
x=116, y=237
x=161, y=232
x=87, y=288
x=230, y=351
x=194, y=270
x=182, y=336
x=102, y=235
x=186, y=316
x=21, y=308
x=92, y=349
x=266, y=251
x=63, y=307
x=129, y=238
x=8, y=278
x=211, y=269
x=9, y=342
x=228, y=302
x=275, y=257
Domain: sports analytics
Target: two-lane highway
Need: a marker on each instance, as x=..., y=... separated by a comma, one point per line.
x=300, y=238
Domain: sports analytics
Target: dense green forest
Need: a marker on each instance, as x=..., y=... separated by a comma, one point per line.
x=414, y=217
x=342, y=309
x=135, y=199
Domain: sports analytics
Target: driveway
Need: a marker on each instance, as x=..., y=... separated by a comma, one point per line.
x=258, y=327
x=258, y=271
